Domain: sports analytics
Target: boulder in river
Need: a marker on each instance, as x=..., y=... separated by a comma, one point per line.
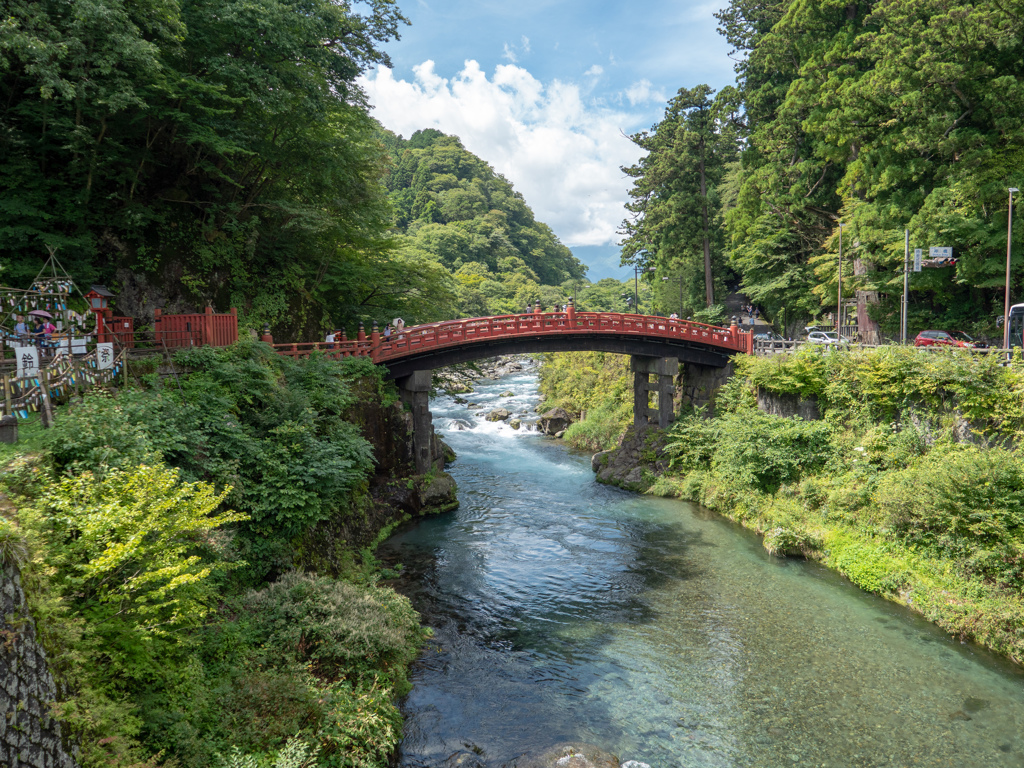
x=555, y=420
x=559, y=435
x=515, y=423
x=474, y=405
x=498, y=414
x=507, y=393
x=571, y=756
x=461, y=424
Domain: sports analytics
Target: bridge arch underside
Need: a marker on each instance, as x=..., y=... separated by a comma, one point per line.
x=685, y=351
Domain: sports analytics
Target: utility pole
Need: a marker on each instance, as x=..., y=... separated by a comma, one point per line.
x=906, y=284
x=1006, y=298
x=839, y=307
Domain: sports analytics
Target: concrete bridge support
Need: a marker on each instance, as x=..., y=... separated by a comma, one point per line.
x=665, y=370
x=415, y=392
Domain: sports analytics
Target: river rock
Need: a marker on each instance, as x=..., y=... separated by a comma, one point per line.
x=559, y=435
x=555, y=420
x=574, y=755
x=461, y=425
x=638, y=459
x=461, y=400
x=474, y=405
x=507, y=393
x=498, y=414
x=515, y=423
x=438, y=492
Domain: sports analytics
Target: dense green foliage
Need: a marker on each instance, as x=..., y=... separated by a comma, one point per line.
x=218, y=150
x=675, y=225
x=911, y=484
x=158, y=533
x=885, y=116
x=597, y=389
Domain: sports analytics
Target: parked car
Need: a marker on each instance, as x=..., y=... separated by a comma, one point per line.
x=828, y=338
x=976, y=343
x=940, y=339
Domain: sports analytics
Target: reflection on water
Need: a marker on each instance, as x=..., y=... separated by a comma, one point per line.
x=564, y=610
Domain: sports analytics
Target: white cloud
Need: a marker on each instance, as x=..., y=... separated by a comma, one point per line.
x=510, y=54
x=594, y=71
x=642, y=92
x=561, y=153
x=526, y=44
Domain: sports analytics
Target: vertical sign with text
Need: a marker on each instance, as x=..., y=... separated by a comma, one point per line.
x=105, y=355
x=28, y=361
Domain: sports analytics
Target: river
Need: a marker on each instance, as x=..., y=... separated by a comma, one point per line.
x=564, y=610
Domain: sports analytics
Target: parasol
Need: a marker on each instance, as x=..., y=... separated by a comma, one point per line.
x=40, y=313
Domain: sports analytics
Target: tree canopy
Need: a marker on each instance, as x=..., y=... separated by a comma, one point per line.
x=882, y=116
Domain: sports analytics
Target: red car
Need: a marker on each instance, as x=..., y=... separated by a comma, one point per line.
x=939, y=339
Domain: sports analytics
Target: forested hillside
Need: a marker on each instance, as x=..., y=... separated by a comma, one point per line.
x=452, y=208
x=880, y=116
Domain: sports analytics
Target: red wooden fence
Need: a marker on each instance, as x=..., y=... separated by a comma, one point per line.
x=196, y=330
x=119, y=329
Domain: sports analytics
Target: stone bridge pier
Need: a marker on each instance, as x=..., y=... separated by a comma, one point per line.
x=414, y=390
x=664, y=370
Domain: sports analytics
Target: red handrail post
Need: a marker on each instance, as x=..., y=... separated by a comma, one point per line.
x=267, y=338
x=207, y=337
x=571, y=311
x=233, y=337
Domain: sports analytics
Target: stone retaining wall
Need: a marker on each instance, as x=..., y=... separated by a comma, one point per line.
x=29, y=736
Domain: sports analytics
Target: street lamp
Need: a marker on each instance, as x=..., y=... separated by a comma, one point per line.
x=680, y=279
x=839, y=307
x=1006, y=297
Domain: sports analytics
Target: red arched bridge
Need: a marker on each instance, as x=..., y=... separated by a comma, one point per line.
x=434, y=345
x=657, y=345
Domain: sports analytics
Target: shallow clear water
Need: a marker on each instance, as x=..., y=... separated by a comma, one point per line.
x=564, y=610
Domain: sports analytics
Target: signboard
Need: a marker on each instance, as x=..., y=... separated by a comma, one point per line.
x=105, y=355
x=77, y=345
x=28, y=361
x=917, y=259
x=940, y=252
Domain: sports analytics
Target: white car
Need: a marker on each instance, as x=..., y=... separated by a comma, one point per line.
x=827, y=337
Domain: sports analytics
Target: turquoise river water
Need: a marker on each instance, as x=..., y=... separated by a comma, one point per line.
x=564, y=610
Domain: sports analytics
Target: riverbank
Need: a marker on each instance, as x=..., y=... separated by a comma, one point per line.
x=910, y=483
x=199, y=570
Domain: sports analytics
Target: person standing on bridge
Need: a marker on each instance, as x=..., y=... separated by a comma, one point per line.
x=399, y=324
x=387, y=332
x=330, y=339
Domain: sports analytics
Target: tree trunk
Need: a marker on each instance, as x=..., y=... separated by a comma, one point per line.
x=709, y=283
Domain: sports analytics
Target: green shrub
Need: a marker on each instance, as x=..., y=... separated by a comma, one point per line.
x=763, y=452
x=964, y=502
x=692, y=442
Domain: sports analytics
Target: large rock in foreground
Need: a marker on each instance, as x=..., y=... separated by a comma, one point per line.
x=554, y=421
x=635, y=463
x=498, y=414
x=571, y=756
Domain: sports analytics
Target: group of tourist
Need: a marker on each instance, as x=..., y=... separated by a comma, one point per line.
x=38, y=332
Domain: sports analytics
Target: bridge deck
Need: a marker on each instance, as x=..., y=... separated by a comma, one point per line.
x=418, y=340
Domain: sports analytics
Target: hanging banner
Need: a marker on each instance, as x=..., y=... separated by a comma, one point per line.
x=105, y=355
x=917, y=259
x=28, y=361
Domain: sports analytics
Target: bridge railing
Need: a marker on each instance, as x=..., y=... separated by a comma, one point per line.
x=410, y=341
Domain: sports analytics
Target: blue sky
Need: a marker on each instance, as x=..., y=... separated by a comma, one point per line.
x=544, y=90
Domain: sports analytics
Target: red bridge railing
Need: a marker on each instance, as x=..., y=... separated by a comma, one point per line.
x=455, y=333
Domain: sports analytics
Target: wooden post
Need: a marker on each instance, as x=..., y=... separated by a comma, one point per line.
x=234, y=326
x=124, y=363
x=45, y=414
x=157, y=334
x=208, y=327
x=8, y=405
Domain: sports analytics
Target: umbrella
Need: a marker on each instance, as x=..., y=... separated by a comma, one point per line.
x=40, y=313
